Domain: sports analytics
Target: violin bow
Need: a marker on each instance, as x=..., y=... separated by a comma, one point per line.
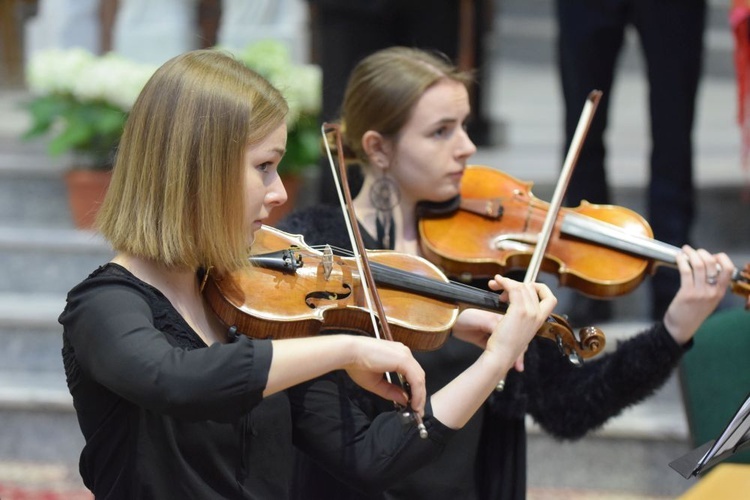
x=372, y=297
x=584, y=122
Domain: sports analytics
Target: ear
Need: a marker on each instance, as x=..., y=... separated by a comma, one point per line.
x=377, y=148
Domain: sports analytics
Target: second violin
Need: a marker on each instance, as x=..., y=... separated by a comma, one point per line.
x=600, y=250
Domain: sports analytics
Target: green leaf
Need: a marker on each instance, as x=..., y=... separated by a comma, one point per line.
x=45, y=111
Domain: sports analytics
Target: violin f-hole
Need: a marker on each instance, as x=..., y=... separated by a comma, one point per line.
x=312, y=297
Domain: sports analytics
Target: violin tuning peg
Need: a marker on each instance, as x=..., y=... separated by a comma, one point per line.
x=575, y=359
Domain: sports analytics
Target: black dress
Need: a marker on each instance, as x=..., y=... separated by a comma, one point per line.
x=487, y=458
x=165, y=416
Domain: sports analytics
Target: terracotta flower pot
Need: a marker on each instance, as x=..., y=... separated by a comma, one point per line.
x=86, y=190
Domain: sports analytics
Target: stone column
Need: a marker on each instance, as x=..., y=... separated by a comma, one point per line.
x=152, y=31
x=63, y=24
x=244, y=22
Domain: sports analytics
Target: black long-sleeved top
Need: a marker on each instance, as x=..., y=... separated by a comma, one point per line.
x=487, y=458
x=165, y=416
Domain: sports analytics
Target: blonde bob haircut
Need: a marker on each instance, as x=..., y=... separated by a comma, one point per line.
x=177, y=192
x=384, y=88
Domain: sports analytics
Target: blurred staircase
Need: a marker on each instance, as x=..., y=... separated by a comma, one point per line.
x=42, y=256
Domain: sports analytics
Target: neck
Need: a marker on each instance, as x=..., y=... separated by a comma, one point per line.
x=169, y=281
x=404, y=217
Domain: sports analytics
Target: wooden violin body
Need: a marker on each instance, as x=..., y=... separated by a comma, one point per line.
x=602, y=251
x=292, y=290
x=267, y=301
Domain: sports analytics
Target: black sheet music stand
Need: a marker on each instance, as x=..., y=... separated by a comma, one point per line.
x=735, y=437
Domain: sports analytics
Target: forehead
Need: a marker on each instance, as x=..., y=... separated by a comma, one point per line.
x=274, y=141
x=446, y=100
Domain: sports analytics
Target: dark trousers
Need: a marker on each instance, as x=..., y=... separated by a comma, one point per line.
x=344, y=35
x=591, y=34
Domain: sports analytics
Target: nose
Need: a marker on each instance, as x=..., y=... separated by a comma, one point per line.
x=276, y=193
x=466, y=146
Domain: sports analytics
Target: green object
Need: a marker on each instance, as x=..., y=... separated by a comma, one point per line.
x=715, y=376
x=90, y=128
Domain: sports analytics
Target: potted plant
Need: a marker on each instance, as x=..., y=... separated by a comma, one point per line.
x=81, y=101
x=301, y=85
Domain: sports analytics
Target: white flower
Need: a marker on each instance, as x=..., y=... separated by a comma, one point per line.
x=305, y=87
x=300, y=84
x=270, y=58
x=110, y=78
x=113, y=79
x=57, y=70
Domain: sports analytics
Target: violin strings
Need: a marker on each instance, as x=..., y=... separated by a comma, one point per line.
x=483, y=298
x=454, y=290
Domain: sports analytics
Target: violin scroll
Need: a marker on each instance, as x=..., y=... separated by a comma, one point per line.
x=741, y=282
x=590, y=341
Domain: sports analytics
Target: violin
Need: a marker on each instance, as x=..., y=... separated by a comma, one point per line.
x=602, y=251
x=293, y=290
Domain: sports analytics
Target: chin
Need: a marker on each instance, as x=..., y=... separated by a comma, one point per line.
x=251, y=233
x=446, y=193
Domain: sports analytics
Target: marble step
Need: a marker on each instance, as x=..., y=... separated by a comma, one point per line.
x=624, y=468
x=31, y=370
x=48, y=260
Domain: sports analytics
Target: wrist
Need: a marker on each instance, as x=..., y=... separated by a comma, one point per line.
x=347, y=350
x=678, y=334
x=495, y=365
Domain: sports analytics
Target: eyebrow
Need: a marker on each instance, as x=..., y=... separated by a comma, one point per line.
x=445, y=121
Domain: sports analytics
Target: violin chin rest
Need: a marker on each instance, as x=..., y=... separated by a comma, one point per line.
x=438, y=209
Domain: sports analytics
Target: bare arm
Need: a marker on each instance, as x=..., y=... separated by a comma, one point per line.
x=530, y=305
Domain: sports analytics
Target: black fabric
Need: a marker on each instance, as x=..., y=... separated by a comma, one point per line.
x=164, y=415
x=358, y=437
x=487, y=458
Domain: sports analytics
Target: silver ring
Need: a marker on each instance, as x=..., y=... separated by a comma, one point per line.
x=711, y=280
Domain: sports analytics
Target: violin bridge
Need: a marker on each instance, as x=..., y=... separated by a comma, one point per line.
x=327, y=261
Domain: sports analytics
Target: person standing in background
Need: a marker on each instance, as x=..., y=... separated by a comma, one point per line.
x=590, y=39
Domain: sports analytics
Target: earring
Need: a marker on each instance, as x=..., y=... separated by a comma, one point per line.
x=384, y=196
